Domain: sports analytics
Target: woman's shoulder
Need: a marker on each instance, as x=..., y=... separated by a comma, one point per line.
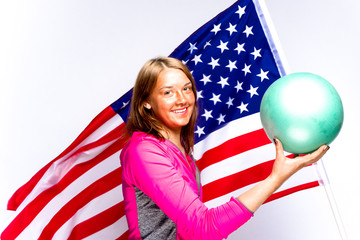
x=142, y=137
x=141, y=141
x=142, y=148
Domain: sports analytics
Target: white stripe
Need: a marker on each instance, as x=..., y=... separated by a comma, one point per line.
x=114, y=231
x=231, y=130
x=95, y=173
x=305, y=175
x=94, y=207
x=58, y=169
x=237, y=163
x=53, y=175
x=104, y=129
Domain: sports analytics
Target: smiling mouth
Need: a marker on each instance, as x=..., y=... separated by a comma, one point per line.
x=180, y=110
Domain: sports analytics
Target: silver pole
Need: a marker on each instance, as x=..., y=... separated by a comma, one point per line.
x=324, y=181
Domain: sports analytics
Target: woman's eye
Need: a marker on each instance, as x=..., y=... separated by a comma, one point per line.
x=187, y=88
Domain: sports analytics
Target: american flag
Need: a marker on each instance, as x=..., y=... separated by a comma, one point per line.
x=233, y=60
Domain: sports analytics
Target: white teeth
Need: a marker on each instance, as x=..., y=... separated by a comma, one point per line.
x=180, y=111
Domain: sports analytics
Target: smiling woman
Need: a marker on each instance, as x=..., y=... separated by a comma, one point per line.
x=164, y=100
x=172, y=102
x=160, y=180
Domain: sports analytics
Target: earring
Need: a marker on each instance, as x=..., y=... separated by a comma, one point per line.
x=147, y=106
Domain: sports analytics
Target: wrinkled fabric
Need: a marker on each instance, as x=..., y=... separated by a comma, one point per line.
x=159, y=170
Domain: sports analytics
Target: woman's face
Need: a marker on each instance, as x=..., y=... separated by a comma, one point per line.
x=172, y=100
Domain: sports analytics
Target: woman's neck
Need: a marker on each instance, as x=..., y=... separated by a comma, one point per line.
x=175, y=138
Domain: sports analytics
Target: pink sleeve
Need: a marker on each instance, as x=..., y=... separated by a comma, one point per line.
x=153, y=172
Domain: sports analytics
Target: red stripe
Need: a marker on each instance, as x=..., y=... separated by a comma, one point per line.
x=112, y=135
x=292, y=190
x=24, y=218
x=98, y=222
x=97, y=122
x=96, y=189
x=20, y=195
x=125, y=236
x=235, y=181
x=233, y=147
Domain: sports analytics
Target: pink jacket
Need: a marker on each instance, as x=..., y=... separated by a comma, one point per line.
x=163, y=199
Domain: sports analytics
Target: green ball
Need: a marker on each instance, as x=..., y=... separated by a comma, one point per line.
x=302, y=110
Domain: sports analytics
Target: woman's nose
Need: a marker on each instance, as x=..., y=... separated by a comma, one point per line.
x=180, y=97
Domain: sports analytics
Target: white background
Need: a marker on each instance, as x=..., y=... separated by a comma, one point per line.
x=62, y=62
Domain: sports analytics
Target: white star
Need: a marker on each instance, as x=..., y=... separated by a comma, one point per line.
x=205, y=79
x=216, y=28
x=263, y=75
x=231, y=65
x=125, y=104
x=214, y=62
x=240, y=11
x=230, y=102
x=207, y=114
x=197, y=59
x=238, y=86
x=207, y=44
x=223, y=46
x=248, y=31
x=221, y=119
x=192, y=47
x=240, y=48
x=252, y=91
x=199, y=94
x=246, y=69
x=231, y=28
x=215, y=98
x=199, y=131
x=223, y=82
x=185, y=62
x=256, y=53
x=243, y=107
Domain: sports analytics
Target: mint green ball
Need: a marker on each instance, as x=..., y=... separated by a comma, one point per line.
x=302, y=110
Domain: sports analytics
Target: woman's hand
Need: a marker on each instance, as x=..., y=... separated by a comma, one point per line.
x=285, y=167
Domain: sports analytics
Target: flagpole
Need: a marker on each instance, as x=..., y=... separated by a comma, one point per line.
x=324, y=181
x=283, y=69
x=272, y=36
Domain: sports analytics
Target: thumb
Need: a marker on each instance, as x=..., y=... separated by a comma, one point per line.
x=278, y=147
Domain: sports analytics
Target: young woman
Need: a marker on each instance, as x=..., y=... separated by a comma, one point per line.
x=161, y=186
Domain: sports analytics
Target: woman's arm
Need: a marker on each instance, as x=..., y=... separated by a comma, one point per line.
x=149, y=167
x=283, y=169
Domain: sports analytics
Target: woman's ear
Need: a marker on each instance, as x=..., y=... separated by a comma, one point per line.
x=147, y=105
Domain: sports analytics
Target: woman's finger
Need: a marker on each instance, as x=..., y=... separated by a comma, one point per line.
x=278, y=147
x=316, y=155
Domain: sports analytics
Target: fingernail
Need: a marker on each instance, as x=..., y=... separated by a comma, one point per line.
x=275, y=140
x=326, y=148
